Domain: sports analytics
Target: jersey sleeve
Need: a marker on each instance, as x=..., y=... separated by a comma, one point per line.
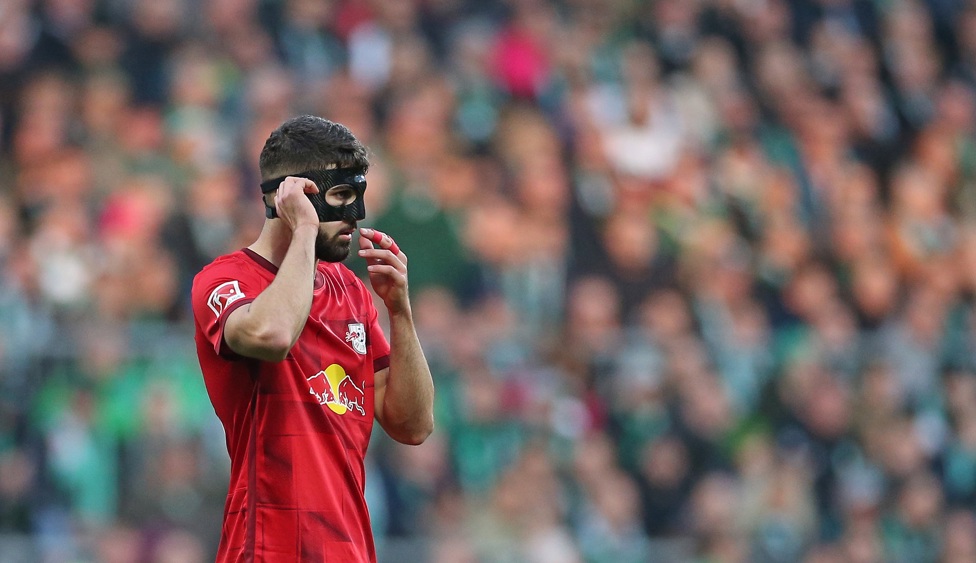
x=378, y=342
x=217, y=292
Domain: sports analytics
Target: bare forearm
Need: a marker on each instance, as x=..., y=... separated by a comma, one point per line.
x=408, y=404
x=288, y=299
x=275, y=319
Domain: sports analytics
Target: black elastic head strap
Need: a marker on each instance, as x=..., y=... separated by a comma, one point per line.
x=354, y=177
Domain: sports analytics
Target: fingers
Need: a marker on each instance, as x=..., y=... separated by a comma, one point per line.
x=385, y=241
x=294, y=182
x=385, y=269
x=308, y=186
x=384, y=256
x=381, y=239
x=291, y=202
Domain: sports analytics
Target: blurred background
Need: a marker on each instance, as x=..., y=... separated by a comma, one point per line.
x=696, y=278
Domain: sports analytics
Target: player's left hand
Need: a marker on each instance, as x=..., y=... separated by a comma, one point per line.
x=387, y=267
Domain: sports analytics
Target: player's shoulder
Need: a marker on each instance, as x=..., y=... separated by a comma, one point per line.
x=220, y=264
x=236, y=265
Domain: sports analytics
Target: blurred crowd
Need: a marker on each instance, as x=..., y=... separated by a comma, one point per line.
x=696, y=278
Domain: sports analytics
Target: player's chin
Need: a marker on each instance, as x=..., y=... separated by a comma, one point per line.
x=332, y=251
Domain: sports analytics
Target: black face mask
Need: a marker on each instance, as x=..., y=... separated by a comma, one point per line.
x=354, y=177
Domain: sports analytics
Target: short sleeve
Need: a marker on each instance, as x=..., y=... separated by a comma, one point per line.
x=217, y=292
x=378, y=342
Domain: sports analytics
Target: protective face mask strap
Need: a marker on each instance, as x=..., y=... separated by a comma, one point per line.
x=354, y=177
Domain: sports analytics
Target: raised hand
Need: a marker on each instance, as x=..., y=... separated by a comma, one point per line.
x=387, y=267
x=293, y=206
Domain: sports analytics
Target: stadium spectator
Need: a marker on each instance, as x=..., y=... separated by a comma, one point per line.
x=695, y=278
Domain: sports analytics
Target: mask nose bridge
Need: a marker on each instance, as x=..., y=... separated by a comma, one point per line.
x=355, y=211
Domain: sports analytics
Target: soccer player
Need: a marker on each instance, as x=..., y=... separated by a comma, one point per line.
x=295, y=362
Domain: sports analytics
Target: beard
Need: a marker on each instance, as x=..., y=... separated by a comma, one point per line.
x=331, y=249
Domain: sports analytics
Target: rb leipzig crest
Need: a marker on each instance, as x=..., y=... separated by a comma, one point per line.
x=356, y=337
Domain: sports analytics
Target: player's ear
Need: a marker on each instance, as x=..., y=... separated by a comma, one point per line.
x=269, y=198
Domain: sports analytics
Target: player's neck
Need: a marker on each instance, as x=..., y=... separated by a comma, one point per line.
x=272, y=244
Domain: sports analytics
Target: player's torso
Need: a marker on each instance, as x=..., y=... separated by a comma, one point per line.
x=324, y=388
x=314, y=415
x=297, y=429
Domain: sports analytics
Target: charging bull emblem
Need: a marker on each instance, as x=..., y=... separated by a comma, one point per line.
x=333, y=388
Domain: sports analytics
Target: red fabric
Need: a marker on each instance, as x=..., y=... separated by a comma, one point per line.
x=297, y=430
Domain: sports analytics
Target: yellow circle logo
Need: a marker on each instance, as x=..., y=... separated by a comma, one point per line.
x=335, y=389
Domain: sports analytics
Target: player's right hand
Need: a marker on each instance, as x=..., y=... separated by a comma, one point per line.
x=293, y=206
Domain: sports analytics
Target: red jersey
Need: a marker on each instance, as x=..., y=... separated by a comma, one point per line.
x=297, y=430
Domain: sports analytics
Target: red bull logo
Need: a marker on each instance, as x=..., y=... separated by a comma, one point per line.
x=333, y=388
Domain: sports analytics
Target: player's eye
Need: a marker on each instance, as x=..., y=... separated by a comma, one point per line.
x=340, y=195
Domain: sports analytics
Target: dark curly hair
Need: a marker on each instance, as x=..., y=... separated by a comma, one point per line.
x=308, y=142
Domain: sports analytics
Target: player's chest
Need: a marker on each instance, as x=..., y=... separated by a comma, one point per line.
x=332, y=365
x=338, y=323
x=344, y=339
